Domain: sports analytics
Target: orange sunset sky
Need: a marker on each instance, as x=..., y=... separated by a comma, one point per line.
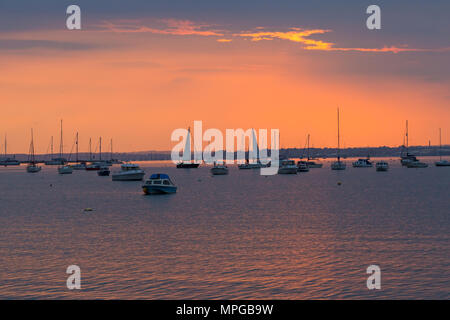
x=135, y=73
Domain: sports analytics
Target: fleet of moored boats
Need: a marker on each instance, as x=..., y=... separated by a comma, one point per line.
x=160, y=183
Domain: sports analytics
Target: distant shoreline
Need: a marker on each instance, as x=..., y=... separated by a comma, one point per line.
x=374, y=152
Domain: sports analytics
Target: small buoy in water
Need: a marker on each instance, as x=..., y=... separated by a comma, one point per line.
x=88, y=209
x=51, y=185
x=339, y=183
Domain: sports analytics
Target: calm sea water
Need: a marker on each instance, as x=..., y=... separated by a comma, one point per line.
x=241, y=236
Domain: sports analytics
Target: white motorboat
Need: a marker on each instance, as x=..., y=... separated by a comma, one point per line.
x=417, y=164
x=363, y=163
x=338, y=165
x=32, y=166
x=219, y=169
x=441, y=163
x=159, y=183
x=382, y=166
x=287, y=167
x=66, y=169
x=129, y=172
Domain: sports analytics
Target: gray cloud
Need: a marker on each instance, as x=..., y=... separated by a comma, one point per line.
x=14, y=44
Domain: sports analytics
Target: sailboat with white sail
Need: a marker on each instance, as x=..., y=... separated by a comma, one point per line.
x=338, y=165
x=441, y=163
x=32, y=166
x=65, y=168
x=255, y=162
x=187, y=162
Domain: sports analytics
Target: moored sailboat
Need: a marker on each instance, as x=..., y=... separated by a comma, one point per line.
x=187, y=162
x=338, y=165
x=441, y=163
x=63, y=169
x=32, y=167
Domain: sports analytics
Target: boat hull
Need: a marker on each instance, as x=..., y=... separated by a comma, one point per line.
x=287, y=170
x=135, y=176
x=417, y=164
x=65, y=170
x=338, y=166
x=102, y=173
x=33, y=169
x=443, y=163
x=187, y=165
x=160, y=189
x=219, y=171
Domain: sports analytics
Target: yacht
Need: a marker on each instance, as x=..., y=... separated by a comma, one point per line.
x=255, y=162
x=9, y=162
x=219, y=169
x=94, y=166
x=363, y=163
x=79, y=166
x=159, y=183
x=186, y=162
x=417, y=164
x=287, y=167
x=6, y=161
x=129, y=172
x=441, y=163
x=407, y=158
x=338, y=165
x=302, y=166
x=32, y=167
x=64, y=168
x=312, y=164
x=104, y=171
x=55, y=162
x=382, y=166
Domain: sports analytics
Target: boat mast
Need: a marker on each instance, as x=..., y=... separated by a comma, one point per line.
x=440, y=144
x=6, y=144
x=61, y=146
x=32, y=146
x=111, y=150
x=339, y=145
x=308, y=147
x=90, y=149
x=77, y=147
x=52, y=146
x=407, y=137
x=100, y=142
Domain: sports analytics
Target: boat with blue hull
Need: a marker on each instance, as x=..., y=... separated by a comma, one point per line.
x=159, y=183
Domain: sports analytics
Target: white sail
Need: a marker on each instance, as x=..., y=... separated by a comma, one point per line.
x=187, y=148
x=255, y=150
